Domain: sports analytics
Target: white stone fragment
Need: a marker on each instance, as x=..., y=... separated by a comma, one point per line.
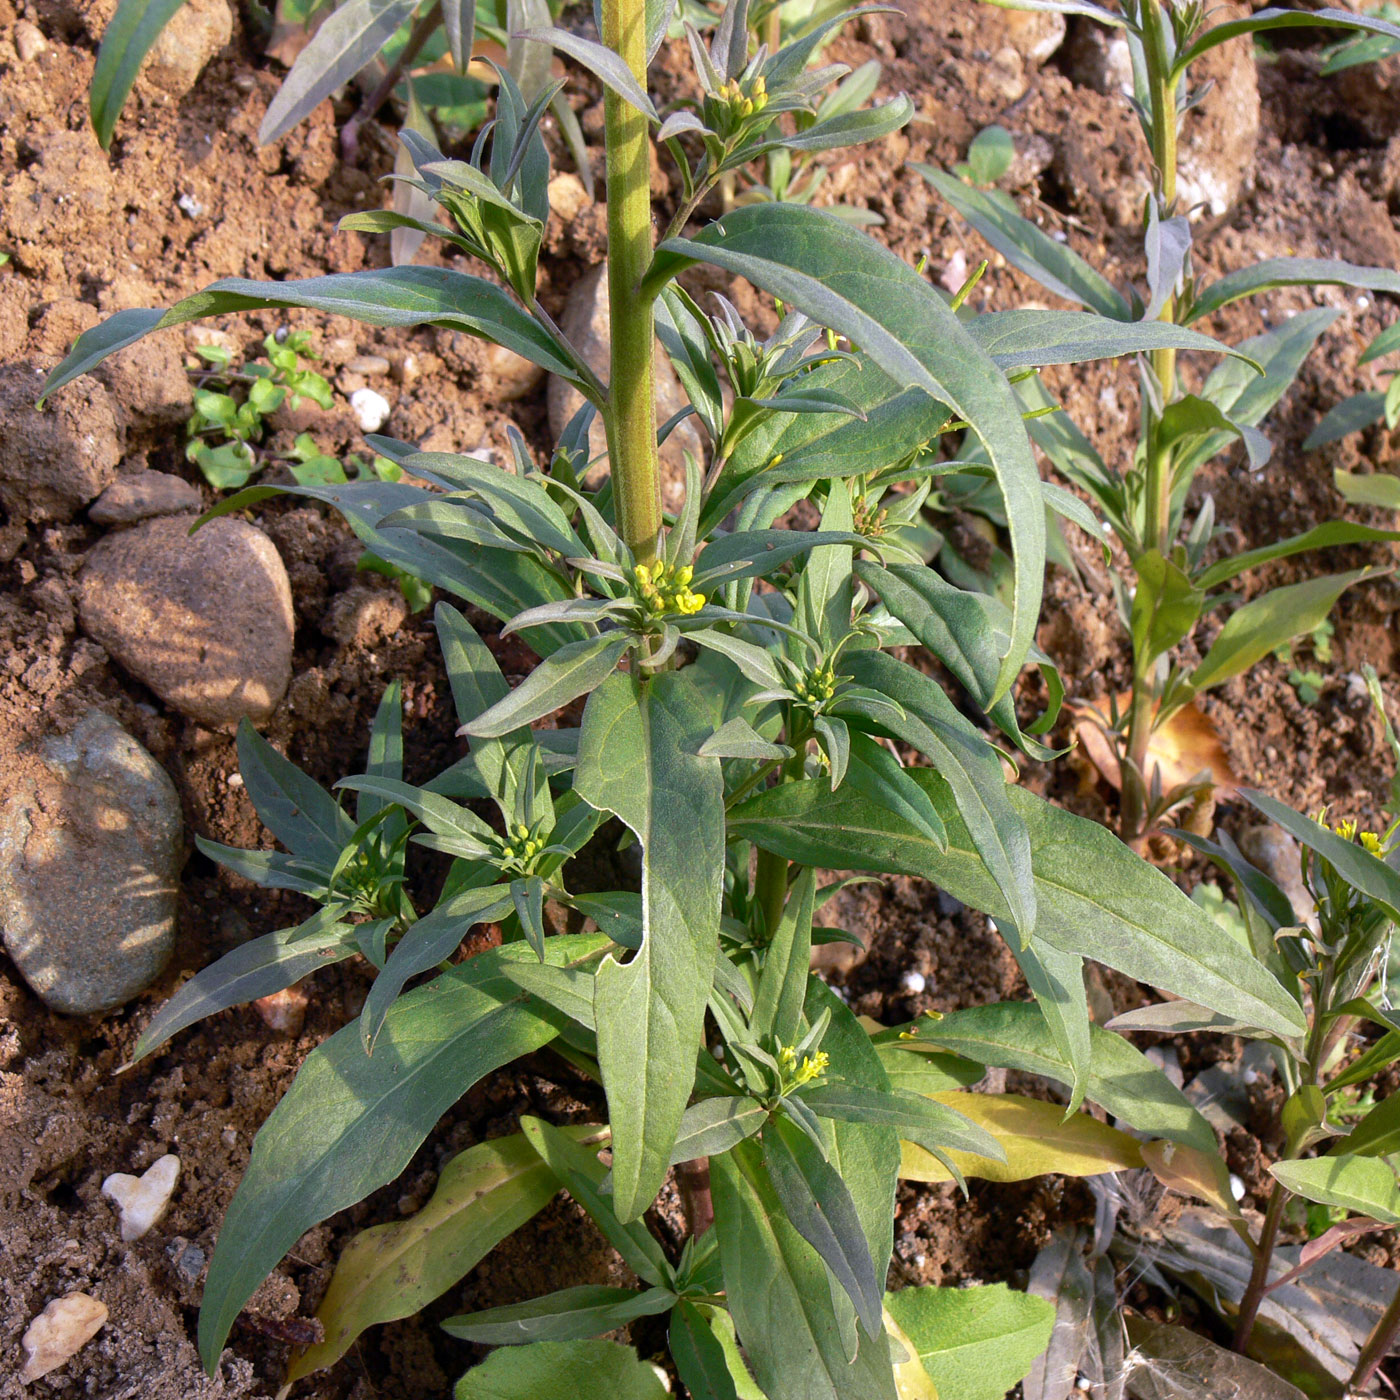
x=141, y=1200
x=371, y=409
x=1236, y=1187
x=913, y=982
x=66, y=1325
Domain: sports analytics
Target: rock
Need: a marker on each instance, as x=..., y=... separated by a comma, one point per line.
x=141, y=1200
x=372, y=409
x=54, y=461
x=587, y=324
x=509, y=376
x=140, y=495
x=91, y=844
x=29, y=42
x=65, y=1326
x=193, y=35
x=567, y=196
x=65, y=190
x=368, y=364
x=205, y=620
x=148, y=383
x=284, y=1011
x=1100, y=59
x=186, y=1259
x=1220, y=135
x=1035, y=34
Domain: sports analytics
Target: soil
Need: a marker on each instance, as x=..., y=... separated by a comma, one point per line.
x=187, y=196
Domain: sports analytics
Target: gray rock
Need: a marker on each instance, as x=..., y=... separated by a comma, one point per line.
x=205, y=620
x=91, y=844
x=141, y=495
x=1279, y=856
x=587, y=323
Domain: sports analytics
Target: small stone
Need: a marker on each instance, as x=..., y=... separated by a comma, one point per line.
x=364, y=616
x=64, y=1327
x=368, y=364
x=141, y=495
x=189, y=206
x=284, y=1011
x=190, y=38
x=29, y=42
x=91, y=844
x=186, y=1259
x=141, y=1200
x=1237, y=1187
x=205, y=620
x=1277, y=854
x=372, y=409
x=510, y=376
x=913, y=982
x=567, y=196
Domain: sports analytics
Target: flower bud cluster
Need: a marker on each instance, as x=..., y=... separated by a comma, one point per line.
x=661, y=589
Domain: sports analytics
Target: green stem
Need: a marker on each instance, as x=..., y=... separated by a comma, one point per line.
x=1259, y=1276
x=631, y=416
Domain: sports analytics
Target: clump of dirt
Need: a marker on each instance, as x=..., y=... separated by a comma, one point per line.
x=188, y=196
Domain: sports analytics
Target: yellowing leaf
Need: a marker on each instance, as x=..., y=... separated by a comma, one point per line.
x=911, y=1381
x=1036, y=1137
x=1191, y=1172
x=391, y=1271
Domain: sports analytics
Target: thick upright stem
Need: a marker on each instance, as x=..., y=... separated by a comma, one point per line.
x=631, y=414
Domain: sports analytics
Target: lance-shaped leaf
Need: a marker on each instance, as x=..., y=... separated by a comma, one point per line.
x=254, y=969
x=1033, y=1138
x=1366, y=1185
x=782, y=985
x=1054, y=265
x=1251, y=632
x=126, y=41
x=569, y=1315
x=391, y=1271
x=1290, y=272
x=1325, y=536
x=394, y=296
x=1350, y=416
x=349, y=39
x=1093, y=896
x=638, y=760
x=601, y=61
x=350, y=1123
x=1266, y=20
x=715, y=1125
x=818, y=1204
x=577, y=668
x=975, y=1343
x=1376, y=1135
x=914, y=1117
x=706, y=1367
x=459, y=24
x=842, y=278
x=1017, y=339
x=776, y=1286
x=562, y=1371
x=1369, y=488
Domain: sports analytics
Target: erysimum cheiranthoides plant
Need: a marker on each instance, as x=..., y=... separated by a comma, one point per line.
x=747, y=724
x=1172, y=580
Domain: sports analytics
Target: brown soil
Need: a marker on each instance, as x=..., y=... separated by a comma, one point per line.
x=88, y=234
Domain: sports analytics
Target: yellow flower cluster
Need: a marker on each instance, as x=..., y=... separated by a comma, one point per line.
x=520, y=846
x=745, y=105
x=1369, y=841
x=662, y=589
x=796, y=1075
x=817, y=688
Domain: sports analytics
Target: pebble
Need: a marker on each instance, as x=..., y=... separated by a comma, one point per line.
x=141, y=495
x=1277, y=854
x=186, y=1259
x=141, y=1200
x=64, y=1327
x=1237, y=1187
x=189, y=39
x=29, y=41
x=284, y=1011
x=91, y=845
x=205, y=620
x=368, y=364
x=913, y=982
x=372, y=409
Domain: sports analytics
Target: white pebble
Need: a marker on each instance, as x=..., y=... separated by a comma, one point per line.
x=1362, y=303
x=371, y=409
x=235, y=780
x=141, y=1200
x=189, y=205
x=1236, y=1187
x=913, y=982
x=1083, y=1384
x=66, y=1325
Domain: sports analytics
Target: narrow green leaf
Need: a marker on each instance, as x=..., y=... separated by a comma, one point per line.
x=782, y=985
x=1093, y=896
x=350, y=1123
x=699, y=1355
x=914, y=1117
x=713, y=1126
x=1264, y=20
x=298, y=811
x=842, y=278
x=1376, y=1135
x=569, y=1315
x=1289, y=272
x=126, y=41
x=602, y=62
x=638, y=760
x=577, y=668
x=1350, y=416
x=1370, y=488
x=1018, y=339
x=1325, y=536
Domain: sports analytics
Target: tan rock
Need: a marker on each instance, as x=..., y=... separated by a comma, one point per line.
x=194, y=34
x=510, y=376
x=62, y=1329
x=1220, y=135
x=567, y=196
x=140, y=495
x=29, y=41
x=587, y=323
x=205, y=620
